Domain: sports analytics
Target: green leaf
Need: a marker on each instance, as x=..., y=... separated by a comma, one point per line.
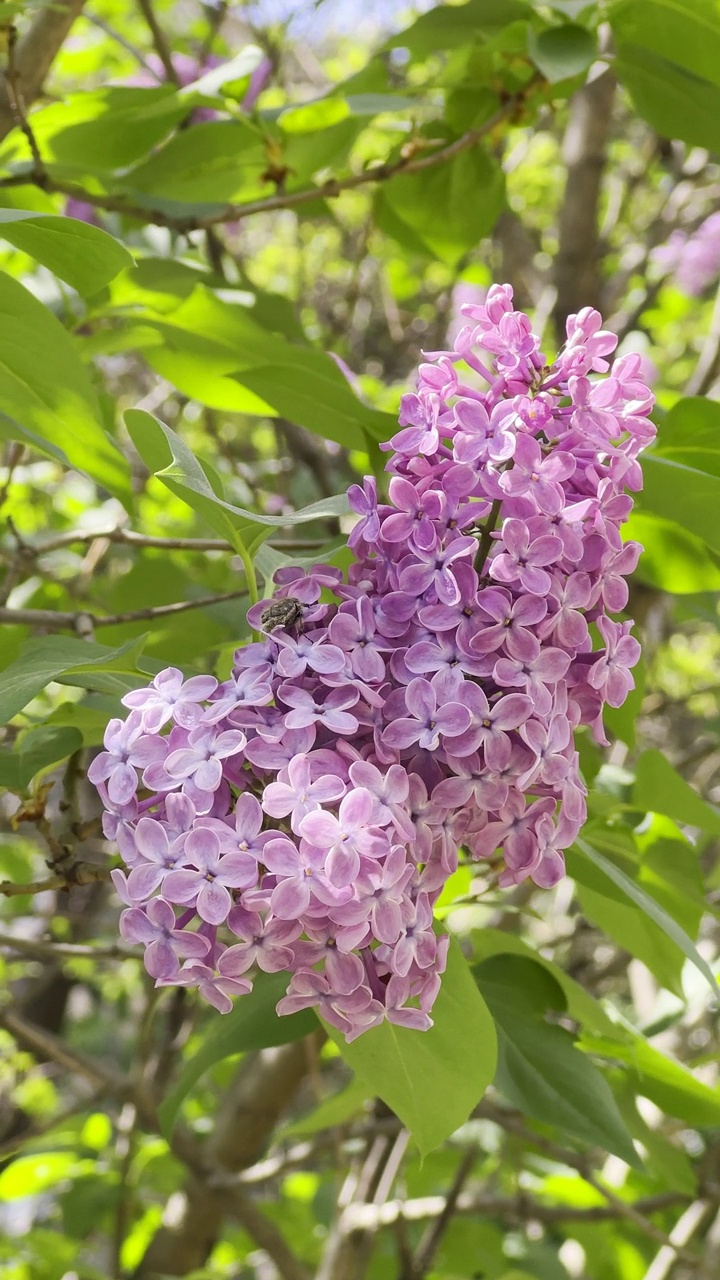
x=30, y=1175
x=82, y=255
x=331, y=1112
x=252, y=1024
x=673, y=559
x=562, y=52
x=452, y=26
x=218, y=353
x=310, y=116
x=632, y=930
x=690, y=433
x=101, y=130
x=631, y=890
x=422, y=1075
x=539, y=1069
x=212, y=83
x=46, y=391
x=373, y=104
x=674, y=1089
x=580, y=1004
x=210, y=163
x=35, y=751
x=684, y=494
x=311, y=391
x=182, y=473
x=68, y=661
x=446, y=210
x=660, y=789
x=668, y=57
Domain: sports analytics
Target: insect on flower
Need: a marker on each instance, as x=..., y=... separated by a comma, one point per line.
x=287, y=612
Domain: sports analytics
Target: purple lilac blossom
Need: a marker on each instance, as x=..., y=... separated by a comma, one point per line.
x=304, y=815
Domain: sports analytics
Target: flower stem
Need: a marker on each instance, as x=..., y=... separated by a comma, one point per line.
x=485, y=541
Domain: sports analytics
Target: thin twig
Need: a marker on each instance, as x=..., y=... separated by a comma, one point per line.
x=687, y=1226
x=265, y=1234
x=51, y=1048
x=58, y=620
x=79, y=873
x=706, y=369
x=329, y=190
x=17, y=106
x=485, y=541
x=518, y=1209
x=430, y=1242
x=162, y=47
x=110, y=31
x=37, y=949
x=132, y=539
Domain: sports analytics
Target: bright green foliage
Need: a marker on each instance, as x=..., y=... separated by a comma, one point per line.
x=187, y=389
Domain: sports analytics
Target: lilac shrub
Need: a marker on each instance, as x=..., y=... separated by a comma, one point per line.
x=305, y=814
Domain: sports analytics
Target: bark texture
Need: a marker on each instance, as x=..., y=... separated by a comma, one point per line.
x=263, y=1087
x=578, y=277
x=34, y=55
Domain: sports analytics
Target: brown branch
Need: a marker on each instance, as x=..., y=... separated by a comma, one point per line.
x=34, y=54
x=264, y=1086
x=518, y=1209
x=132, y=539
x=329, y=190
x=17, y=106
x=39, y=950
x=79, y=873
x=265, y=1234
x=162, y=47
x=57, y=620
x=708, y=365
x=577, y=265
x=430, y=1242
x=50, y=1048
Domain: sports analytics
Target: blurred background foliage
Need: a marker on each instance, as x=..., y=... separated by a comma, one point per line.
x=249, y=220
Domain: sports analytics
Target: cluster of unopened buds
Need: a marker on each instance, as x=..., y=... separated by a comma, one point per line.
x=305, y=814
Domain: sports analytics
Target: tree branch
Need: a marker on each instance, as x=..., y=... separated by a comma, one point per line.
x=33, y=56
x=58, y=620
x=518, y=1209
x=577, y=274
x=263, y=1088
x=78, y=873
x=329, y=190
x=162, y=47
x=430, y=1242
x=37, y=949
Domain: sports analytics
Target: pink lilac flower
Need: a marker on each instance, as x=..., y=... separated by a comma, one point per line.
x=304, y=815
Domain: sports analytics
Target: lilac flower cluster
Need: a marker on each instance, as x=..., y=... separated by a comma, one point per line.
x=694, y=261
x=305, y=814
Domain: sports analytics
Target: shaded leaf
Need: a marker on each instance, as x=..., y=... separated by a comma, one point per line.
x=539, y=1069
x=562, y=52
x=35, y=751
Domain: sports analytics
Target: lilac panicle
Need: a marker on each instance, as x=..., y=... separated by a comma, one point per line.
x=304, y=815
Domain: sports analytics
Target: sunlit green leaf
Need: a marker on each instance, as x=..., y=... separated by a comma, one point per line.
x=45, y=389
x=82, y=255
x=420, y=1074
